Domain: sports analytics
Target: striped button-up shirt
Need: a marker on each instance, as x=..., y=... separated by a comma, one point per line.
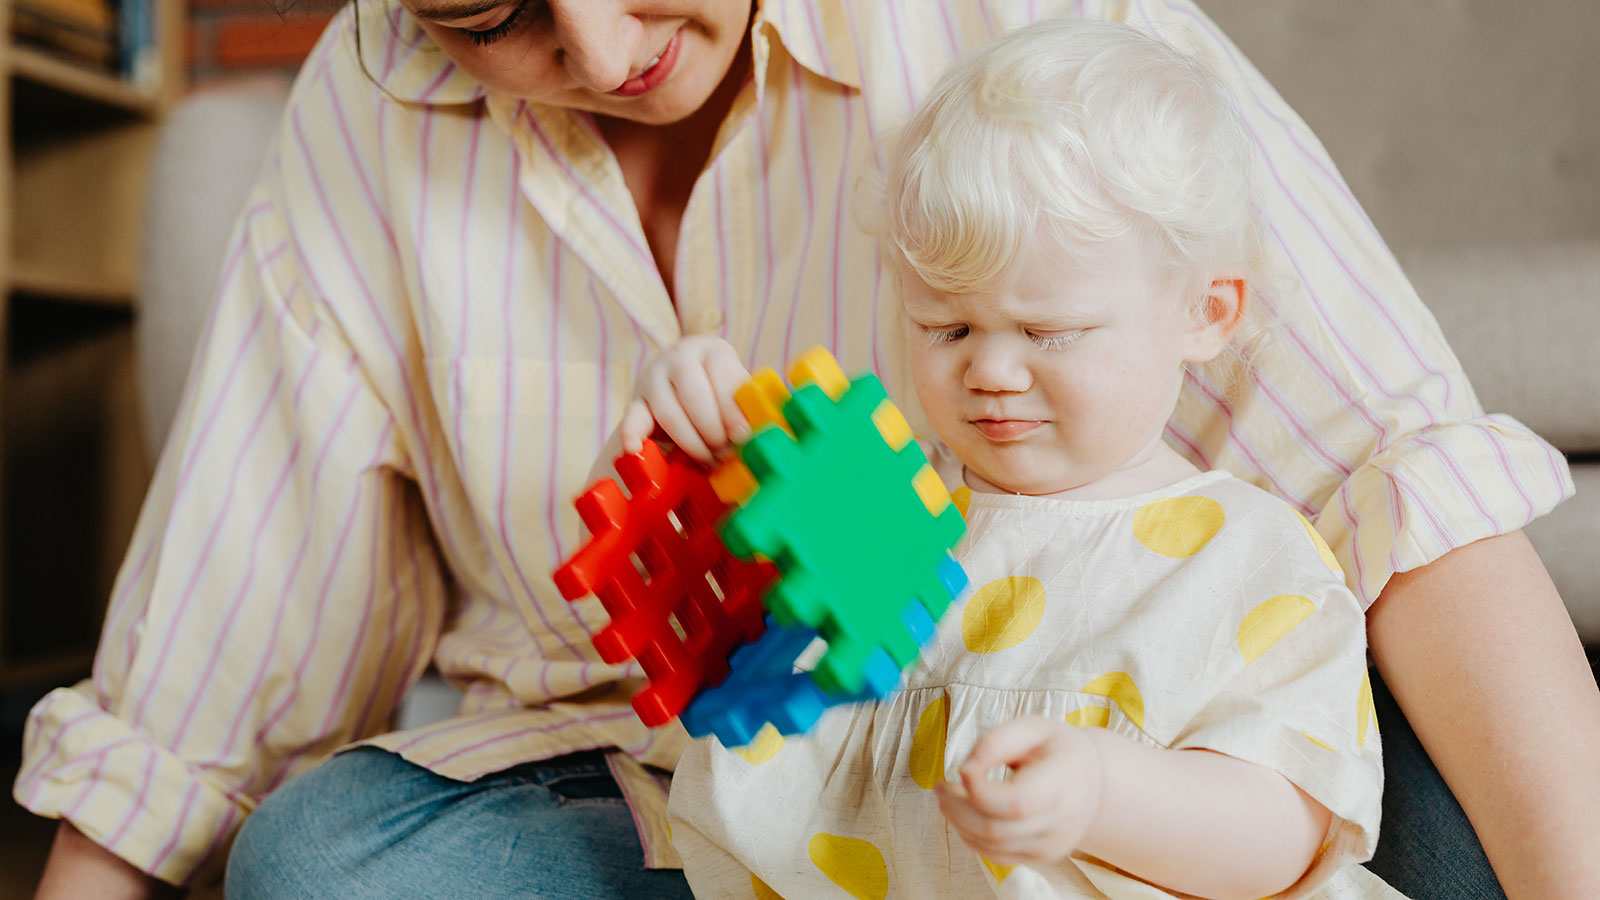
x=431, y=314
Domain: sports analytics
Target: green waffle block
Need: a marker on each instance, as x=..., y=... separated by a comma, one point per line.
x=838, y=512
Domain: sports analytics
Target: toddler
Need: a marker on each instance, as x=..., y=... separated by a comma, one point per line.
x=1157, y=685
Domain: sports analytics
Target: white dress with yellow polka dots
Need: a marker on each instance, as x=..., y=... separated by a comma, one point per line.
x=1206, y=615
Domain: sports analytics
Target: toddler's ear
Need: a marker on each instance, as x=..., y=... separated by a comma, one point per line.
x=1217, y=313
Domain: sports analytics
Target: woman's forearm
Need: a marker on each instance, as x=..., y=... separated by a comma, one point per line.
x=78, y=867
x=1201, y=823
x=1481, y=655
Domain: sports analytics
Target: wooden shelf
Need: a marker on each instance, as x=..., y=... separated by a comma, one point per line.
x=74, y=288
x=73, y=166
x=54, y=73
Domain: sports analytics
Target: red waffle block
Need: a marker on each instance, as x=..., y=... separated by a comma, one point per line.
x=679, y=601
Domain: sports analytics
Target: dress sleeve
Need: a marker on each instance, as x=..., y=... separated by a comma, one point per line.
x=1286, y=686
x=281, y=590
x=1357, y=412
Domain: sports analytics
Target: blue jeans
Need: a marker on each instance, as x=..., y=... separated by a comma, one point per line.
x=367, y=825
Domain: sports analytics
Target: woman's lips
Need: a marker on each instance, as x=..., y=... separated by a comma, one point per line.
x=1005, y=429
x=647, y=80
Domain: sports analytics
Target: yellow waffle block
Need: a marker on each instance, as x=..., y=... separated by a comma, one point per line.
x=931, y=489
x=733, y=481
x=761, y=400
x=892, y=425
x=817, y=366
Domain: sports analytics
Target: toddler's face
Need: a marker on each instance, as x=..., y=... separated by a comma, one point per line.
x=1059, y=378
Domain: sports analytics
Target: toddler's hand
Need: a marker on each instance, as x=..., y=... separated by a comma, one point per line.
x=688, y=391
x=1041, y=812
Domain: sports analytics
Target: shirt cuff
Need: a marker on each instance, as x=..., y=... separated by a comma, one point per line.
x=125, y=792
x=1438, y=489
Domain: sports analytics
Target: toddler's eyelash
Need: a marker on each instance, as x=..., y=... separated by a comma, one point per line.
x=1056, y=341
x=944, y=335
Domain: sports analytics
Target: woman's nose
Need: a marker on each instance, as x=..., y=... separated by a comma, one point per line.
x=597, y=41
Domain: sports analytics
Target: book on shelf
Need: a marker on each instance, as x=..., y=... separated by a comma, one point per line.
x=141, y=63
x=82, y=29
x=117, y=35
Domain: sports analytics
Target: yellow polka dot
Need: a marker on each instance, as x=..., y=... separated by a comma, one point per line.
x=1323, y=550
x=766, y=745
x=998, y=871
x=927, y=745
x=854, y=865
x=1268, y=623
x=962, y=498
x=1002, y=614
x=1123, y=692
x=1178, y=526
x=1365, y=715
x=1317, y=742
x=1089, y=717
x=760, y=889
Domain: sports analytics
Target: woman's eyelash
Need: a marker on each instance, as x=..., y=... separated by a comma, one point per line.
x=486, y=36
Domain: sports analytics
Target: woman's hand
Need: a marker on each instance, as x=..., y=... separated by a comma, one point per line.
x=78, y=867
x=1042, y=810
x=688, y=392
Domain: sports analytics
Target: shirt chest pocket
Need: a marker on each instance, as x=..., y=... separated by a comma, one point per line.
x=520, y=427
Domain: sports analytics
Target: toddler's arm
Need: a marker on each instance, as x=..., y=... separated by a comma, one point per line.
x=1191, y=821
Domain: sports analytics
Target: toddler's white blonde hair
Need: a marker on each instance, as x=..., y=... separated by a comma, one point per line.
x=1073, y=133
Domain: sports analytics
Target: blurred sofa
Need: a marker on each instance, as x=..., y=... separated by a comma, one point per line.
x=1469, y=130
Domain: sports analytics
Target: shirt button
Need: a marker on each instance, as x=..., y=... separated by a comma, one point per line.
x=708, y=320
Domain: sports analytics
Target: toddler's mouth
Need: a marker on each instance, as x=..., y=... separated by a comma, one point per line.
x=1005, y=429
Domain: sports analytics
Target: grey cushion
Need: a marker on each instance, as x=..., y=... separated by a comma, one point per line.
x=206, y=160
x=1525, y=322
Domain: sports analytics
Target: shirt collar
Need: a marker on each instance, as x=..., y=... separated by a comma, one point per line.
x=411, y=68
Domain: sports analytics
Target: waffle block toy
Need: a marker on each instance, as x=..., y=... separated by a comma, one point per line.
x=828, y=538
x=860, y=528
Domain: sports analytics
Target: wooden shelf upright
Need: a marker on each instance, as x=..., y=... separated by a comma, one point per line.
x=73, y=164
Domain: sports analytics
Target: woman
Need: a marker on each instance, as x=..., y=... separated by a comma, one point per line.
x=480, y=222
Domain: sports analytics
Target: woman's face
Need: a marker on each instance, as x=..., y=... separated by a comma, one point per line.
x=648, y=61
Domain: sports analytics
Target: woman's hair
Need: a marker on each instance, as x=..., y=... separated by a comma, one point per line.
x=1073, y=133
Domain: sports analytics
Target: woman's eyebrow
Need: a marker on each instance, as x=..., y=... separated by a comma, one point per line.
x=460, y=9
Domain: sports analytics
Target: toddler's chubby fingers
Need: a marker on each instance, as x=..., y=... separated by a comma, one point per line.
x=636, y=425
x=982, y=832
x=666, y=407
x=697, y=400
x=1010, y=745
x=727, y=375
